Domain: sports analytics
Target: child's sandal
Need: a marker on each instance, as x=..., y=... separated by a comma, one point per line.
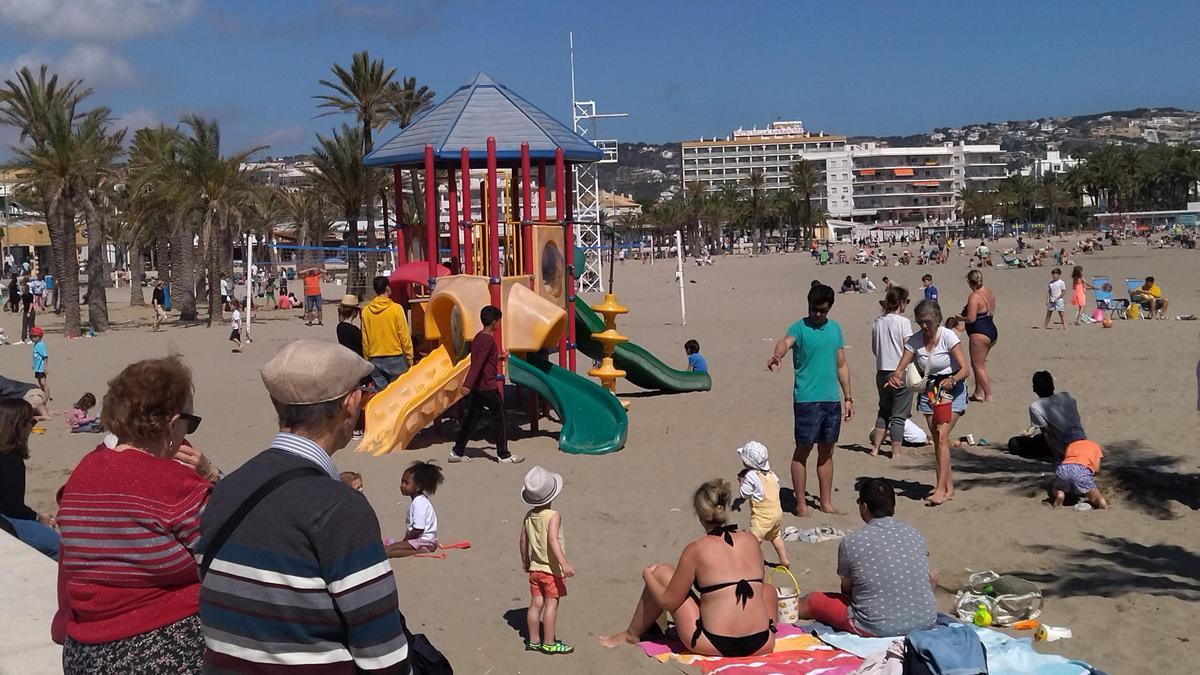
x=533, y=646
x=557, y=647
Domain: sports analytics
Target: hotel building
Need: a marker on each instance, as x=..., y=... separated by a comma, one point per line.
x=859, y=182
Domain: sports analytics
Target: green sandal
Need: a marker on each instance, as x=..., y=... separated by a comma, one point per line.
x=533, y=646
x=557, y=647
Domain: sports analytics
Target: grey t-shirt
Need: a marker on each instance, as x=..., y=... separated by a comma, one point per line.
x=1058, y=418
x=888, y=567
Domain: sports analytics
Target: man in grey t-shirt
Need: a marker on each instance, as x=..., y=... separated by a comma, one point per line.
x=887, y=582
x=1056, y=415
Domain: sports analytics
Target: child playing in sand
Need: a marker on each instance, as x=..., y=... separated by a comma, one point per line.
x=78, y=418
x=235, y=326
x=1075, y=475
x=1055, y=291
x=761, y=486
x=353, y=479
x=542, y=556
x=696, y=362
x=36, y=334
x=419, y=480
x=1078, y=292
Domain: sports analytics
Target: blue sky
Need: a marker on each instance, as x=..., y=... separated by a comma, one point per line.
x=681, y=69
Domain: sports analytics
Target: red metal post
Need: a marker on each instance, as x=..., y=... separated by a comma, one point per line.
x=468, y=228
x=569, y=244
x=493, y=211
x=401, y=249
x=541, y=191
x=431, y=217
x=567, y=343
x=526, y=215
x=452, y=200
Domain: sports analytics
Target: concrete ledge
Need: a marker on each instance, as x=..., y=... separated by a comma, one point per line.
x=29, y=596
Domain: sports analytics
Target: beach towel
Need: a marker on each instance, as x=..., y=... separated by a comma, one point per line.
x=796, y=653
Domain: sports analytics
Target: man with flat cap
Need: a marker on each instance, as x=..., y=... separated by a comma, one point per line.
x=292, y=561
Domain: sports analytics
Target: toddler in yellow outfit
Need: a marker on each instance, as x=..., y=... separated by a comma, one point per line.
x=760, y=485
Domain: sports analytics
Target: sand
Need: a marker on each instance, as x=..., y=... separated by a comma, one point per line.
x=1125, y=581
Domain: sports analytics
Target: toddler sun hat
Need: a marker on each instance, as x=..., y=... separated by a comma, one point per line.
x=541, y=486
x=754, y=456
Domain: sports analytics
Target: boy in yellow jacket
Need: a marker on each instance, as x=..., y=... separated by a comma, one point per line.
x=387, y=343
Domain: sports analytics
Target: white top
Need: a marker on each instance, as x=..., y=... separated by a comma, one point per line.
x=224, y=287
x=1057, y=288
x=936, y=362
x=421, y=517
x=888, y=334
x=236, y=321
x=752, y=487
x=913, y=434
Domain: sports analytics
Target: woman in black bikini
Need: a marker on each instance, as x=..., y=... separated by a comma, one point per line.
x=979, y=317
x=729, y=599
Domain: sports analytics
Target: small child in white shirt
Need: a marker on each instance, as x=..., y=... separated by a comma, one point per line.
x=235, y=326
x=420, y=480
x=760, y=485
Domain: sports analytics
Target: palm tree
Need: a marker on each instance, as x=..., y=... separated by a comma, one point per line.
x=215, y=186
x=755, y=183
x=97, y=148
x=311, y=213
x=365, y=91
x=1052, y=196
x=39, y=107
x=804, y=180
x=408, y=101
x=338, y=173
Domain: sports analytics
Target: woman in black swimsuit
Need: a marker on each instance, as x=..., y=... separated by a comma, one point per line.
x=730, y=611
x=979, y=316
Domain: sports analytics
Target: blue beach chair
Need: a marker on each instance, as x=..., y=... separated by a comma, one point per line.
x=1132, y=285
x=1102, y=289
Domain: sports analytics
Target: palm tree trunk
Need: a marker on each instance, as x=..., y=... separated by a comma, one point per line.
x=164, y=257
x=137, y=273
x=97, y=296
x=183, y=273
x=69, y=265
x=211, y=245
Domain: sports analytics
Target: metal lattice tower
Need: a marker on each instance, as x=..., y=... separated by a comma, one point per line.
x=588, y=235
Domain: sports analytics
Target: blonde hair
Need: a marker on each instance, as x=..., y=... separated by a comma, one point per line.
x=712, y=501
x=975, y=278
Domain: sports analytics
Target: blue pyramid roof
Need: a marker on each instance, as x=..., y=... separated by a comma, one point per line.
x=477, y=110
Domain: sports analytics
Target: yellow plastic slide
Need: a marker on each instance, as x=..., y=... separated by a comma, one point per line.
x=411, y=401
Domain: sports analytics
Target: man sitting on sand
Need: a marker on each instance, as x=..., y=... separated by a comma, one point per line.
x=1150, y=294
x=887, y=582
x=1056, y=415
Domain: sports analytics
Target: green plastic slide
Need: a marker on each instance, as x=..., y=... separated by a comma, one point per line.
x=642, y=368
x=593, y=421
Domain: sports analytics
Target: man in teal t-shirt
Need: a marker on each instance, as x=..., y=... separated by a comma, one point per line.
x=822, y=383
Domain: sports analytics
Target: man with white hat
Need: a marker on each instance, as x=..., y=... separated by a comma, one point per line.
x=293, y=566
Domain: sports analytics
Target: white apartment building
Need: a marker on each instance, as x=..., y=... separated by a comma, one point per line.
x=862, y=183
x=1053, y=162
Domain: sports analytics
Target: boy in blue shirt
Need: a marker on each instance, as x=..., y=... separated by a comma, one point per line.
x=39, y=358
x=931, y=291
x=696, y=362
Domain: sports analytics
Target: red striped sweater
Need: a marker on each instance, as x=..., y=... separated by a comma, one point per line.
x=129, y=522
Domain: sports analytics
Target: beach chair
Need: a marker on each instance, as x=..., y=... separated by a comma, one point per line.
x=1132, y=285
x=1103, y=291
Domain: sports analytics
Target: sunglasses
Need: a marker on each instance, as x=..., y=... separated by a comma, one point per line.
x=193, y=421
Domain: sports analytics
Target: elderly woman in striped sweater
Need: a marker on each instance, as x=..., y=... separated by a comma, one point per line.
x=129, y=517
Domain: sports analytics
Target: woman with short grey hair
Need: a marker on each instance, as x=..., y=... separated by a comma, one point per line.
x=937, y=352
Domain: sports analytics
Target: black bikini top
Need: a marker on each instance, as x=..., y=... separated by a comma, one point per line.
x=742, y=590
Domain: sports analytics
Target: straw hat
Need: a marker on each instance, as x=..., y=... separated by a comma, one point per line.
x=305, y=372
x=754, y=456
x=541, y=486
x=349, y=300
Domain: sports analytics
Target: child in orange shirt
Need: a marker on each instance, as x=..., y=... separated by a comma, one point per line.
x=1075, y=475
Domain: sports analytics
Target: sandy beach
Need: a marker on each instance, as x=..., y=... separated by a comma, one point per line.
x=1125, y=581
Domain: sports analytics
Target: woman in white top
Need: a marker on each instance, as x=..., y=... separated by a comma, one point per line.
x=937, y=351
x=889, y=332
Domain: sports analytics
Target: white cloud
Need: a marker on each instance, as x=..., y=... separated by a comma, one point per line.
x=95, y=20
x=136, y=119
x=282, y=138
x=96, y=65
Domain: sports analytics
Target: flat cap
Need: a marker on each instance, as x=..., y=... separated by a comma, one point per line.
x=305, y=372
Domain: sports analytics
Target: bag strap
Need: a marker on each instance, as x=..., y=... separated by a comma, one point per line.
x=246, y=507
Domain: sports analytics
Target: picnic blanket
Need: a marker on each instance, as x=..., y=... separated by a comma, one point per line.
x=796, y=653
x=1006, y=655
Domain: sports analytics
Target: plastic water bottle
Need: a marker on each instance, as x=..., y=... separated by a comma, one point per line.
x=982, y=616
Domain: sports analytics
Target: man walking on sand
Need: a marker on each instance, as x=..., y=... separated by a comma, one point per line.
x=820, y=369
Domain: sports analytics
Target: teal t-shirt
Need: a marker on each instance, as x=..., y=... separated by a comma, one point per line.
x=814, y=356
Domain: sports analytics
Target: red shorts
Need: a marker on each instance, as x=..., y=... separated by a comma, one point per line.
x=547, y=585
x=832, y=609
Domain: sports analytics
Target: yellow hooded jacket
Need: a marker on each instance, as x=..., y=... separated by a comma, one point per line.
x=385, y=330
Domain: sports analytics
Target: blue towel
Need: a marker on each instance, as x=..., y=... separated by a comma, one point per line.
x=944, y=650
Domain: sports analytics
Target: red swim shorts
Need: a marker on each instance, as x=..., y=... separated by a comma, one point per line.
x=547, y=585
x=831, y=609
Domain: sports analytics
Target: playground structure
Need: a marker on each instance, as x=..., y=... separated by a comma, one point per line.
x=521, y=262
